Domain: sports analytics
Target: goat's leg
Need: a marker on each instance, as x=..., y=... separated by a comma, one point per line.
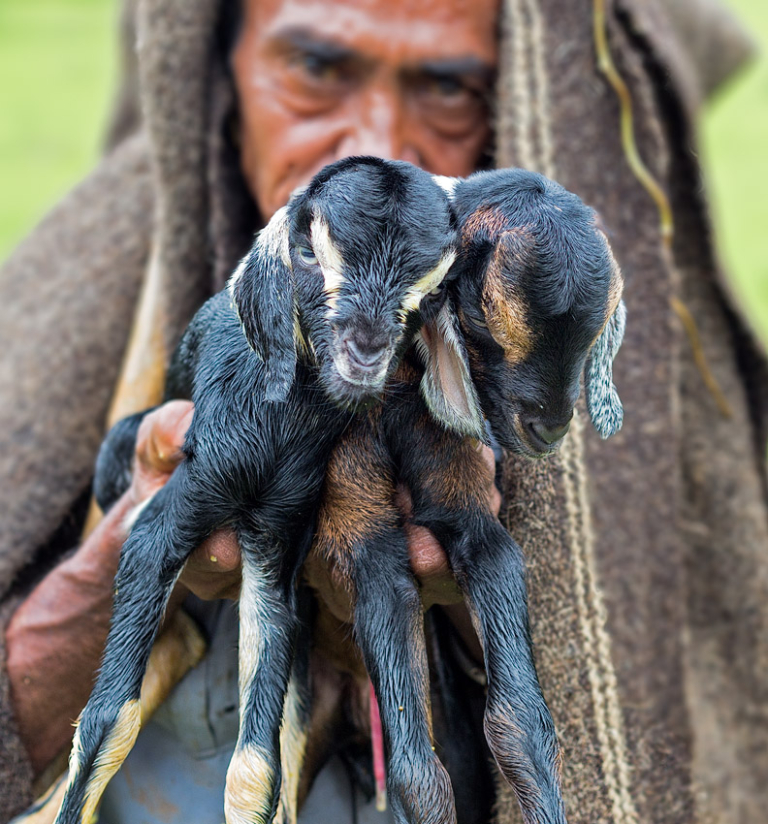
x=450, y=498
x=268, y=627
x=490, y=569
x=150, y=562
x=390, y=630
x=361, y=540
x=296, y=717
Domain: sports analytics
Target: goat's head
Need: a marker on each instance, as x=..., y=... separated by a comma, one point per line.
x=536, y=302
x=345, y=274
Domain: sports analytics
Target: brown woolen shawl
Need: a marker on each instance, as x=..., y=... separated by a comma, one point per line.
x=647, y=554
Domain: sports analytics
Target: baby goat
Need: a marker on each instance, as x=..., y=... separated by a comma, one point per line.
x=312, y=325
x=535, y=302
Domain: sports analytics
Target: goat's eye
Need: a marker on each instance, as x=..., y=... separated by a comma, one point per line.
x=438, y=290
x=307, y=255
x=477, y=321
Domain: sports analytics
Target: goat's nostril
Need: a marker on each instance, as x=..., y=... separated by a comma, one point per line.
x=552, y=433
x=365, y=355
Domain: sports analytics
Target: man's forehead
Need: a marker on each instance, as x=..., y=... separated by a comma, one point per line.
x=400, y=29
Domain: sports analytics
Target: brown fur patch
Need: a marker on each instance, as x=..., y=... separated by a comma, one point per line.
x=358, y=495
x=615, y=291
x=487, y=221
x=504, y=308
x=616, y=288
x=458, y=475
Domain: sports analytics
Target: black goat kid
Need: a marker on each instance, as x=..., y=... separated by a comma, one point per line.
x=312, y=325
x=536, y=302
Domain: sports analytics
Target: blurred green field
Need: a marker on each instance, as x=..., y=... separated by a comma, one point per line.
x=735, y=152
x=57, y=69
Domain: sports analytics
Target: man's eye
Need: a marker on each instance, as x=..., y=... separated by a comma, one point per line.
x=446, y=86
x=317, y=67
x=446, y=89
x=306, y=255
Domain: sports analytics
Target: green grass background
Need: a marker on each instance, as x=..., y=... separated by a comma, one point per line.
x=57, y=71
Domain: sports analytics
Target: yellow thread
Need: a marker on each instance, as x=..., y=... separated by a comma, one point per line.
x=689, y=324
x=640, y=170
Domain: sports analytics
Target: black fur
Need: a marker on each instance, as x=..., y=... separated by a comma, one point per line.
x=557, y=268
x=262, y=361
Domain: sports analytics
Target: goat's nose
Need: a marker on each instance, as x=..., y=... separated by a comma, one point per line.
x=550, y=431
x=365, y=354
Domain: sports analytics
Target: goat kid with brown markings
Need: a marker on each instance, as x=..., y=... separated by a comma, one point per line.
x=536, y=302
x=313, y=323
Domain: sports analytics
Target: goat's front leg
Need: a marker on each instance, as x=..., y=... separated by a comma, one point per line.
x=268, y=629
x=360, y=537
x=449, y=498
x=150, y=562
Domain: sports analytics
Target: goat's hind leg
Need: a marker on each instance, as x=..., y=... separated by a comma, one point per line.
x=150, y=563
x=518, y=724
x=360, y=536
x=450, y=498
x=268, y=629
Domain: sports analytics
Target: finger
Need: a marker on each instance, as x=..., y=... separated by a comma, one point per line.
x=218, y=554
x=431, y=568
x=490, y=459
x=214, y=568
x=161, y=436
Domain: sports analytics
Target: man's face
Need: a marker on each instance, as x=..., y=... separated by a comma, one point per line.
x=318, y=80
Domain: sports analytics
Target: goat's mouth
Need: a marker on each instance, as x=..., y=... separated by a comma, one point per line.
x=518, y=438
x=354, y=387
x=362, y=367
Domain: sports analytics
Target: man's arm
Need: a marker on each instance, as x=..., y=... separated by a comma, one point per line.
x=55, y=638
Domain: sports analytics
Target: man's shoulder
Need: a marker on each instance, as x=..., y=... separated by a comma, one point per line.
x=67, y=301
x=111, y=206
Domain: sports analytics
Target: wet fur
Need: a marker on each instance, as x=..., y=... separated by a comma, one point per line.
x=533, y=260
x=535, y=250
x=261, y=363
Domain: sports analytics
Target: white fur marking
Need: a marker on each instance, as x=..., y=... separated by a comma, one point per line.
x=111, y=755
x=293, y=742
x=329, y=258
x=447, y=184
x=249, y=787
x=426, y=284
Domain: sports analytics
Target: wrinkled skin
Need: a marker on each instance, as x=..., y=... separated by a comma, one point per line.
x=317, y=80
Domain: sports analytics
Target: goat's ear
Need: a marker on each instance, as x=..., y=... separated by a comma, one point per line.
x=263, y=294
x=447, y=385
x=603, y=403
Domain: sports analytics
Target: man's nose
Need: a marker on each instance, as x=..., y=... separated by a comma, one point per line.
x=378, y=127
